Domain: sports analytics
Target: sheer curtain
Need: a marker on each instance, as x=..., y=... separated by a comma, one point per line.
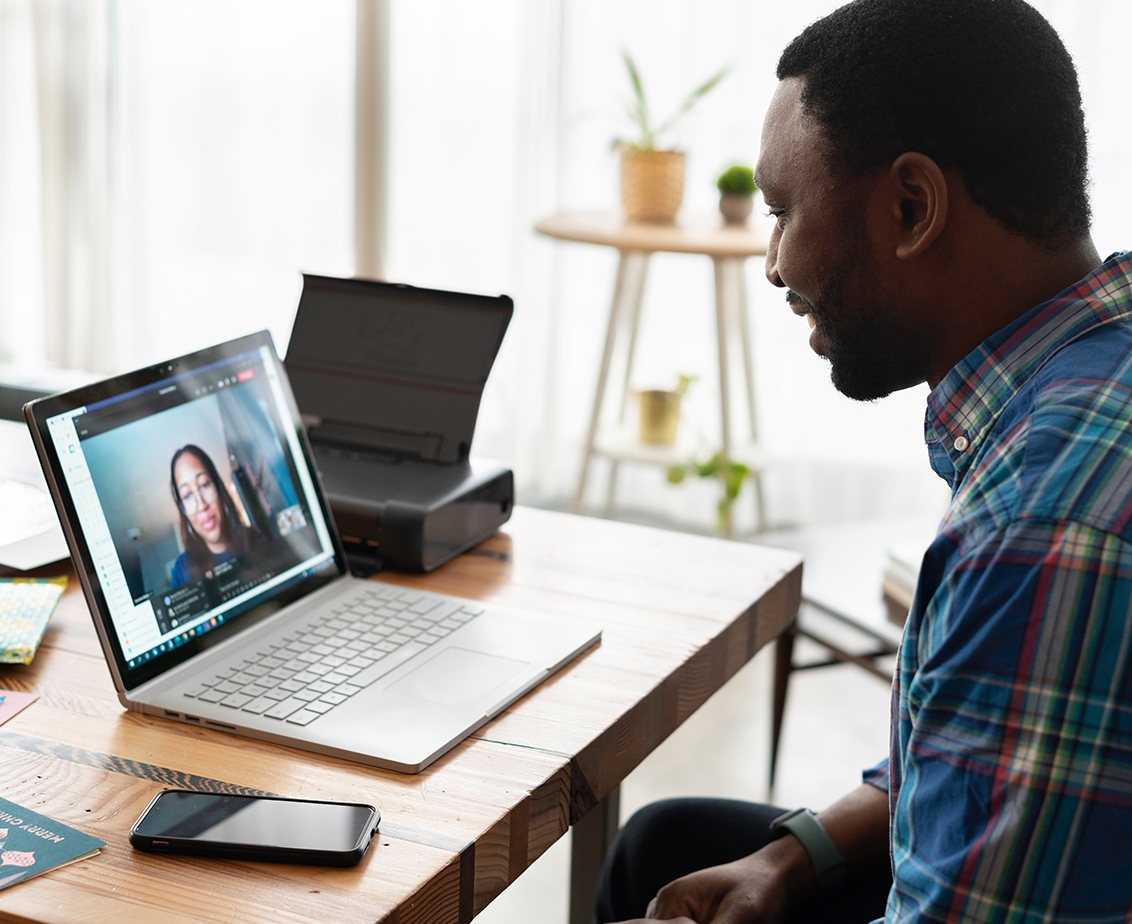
x=503, y=113
x=168, y=171
x=207, y=159
x=516, y=105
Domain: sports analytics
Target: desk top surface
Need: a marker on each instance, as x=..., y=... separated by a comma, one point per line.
x=680, y=615
x=702, y=234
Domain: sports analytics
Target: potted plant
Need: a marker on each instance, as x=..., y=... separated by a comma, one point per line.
x=731, y=476
x=737, y=189
x=652, y=178
x=660, y=413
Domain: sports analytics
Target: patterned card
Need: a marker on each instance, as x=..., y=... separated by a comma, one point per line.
x=26, y=605
x=31, y=844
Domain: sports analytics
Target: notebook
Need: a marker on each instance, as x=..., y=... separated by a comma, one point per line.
x=206, y=549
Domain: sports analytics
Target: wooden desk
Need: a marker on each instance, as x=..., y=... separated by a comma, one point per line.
x=729, y=246
x=680, y=613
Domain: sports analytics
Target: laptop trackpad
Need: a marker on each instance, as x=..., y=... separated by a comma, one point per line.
x=457, y=676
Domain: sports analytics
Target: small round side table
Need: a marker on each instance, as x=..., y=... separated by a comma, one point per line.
x=728, y=246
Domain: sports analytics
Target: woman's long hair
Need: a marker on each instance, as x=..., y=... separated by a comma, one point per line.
x=232, y=531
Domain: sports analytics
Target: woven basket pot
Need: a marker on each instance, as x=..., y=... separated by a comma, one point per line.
x=652, y=184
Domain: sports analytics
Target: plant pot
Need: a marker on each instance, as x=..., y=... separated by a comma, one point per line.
x=652, y=184
x=736, y=207
x=660, y=413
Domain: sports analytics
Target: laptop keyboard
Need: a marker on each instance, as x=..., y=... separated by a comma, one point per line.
x=306, y=673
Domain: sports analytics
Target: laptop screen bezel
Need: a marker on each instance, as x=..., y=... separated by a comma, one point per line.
x=39, y=412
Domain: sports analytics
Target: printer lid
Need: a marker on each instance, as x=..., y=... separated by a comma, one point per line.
x=392, y=367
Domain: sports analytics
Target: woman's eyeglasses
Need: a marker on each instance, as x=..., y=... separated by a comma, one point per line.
x=204, y=495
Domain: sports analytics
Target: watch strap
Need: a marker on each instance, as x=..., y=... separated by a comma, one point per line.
x=829, y=864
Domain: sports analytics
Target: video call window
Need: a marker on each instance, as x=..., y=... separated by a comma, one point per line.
x=199, y=491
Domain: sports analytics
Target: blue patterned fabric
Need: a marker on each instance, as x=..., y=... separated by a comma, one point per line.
x=1010, y=773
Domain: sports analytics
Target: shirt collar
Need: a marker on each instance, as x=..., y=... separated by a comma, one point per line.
x=964, y=406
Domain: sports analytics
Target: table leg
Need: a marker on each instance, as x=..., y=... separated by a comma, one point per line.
x=721, y=338
x=611, y=490
x=745, y=340
x=634, y=295
x=591, y=839
x=783, y=668
x=602, y=378
x=749, y=372
x=724, y=377
x=634, y=298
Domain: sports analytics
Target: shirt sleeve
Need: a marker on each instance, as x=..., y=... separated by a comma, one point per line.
x=877, y=776
x=1013, y=757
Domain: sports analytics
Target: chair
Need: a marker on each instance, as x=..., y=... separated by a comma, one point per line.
x=849, y=608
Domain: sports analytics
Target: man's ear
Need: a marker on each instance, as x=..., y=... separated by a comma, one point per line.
x=919, y=203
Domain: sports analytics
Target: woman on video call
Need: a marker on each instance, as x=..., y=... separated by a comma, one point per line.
x=211, y=529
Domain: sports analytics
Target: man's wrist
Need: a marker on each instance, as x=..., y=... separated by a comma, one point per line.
x=827, y=863
x=791, y=865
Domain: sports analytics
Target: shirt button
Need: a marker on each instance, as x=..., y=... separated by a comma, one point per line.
x=961, y=443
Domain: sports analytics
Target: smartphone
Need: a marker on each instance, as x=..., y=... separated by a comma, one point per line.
x=256, y=828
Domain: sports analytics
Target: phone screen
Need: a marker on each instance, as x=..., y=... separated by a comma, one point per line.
x=274, y=824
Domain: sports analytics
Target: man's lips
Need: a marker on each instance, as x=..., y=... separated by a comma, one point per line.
x=797, y=304
x=800, y=307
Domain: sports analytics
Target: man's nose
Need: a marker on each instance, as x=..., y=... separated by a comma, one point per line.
x=772, y=261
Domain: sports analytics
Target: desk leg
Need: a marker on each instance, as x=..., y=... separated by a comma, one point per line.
x=592, y=837
x=783, y=668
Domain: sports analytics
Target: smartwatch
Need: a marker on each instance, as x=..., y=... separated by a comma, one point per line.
x=829, y=865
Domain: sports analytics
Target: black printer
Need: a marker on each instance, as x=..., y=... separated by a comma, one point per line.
x=388, y=378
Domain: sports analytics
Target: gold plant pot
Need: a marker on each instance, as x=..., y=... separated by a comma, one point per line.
x=652, y=184
x=660, y=413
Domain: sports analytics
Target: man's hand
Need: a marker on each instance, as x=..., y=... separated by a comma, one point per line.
x=753, y=890
x=758, y=889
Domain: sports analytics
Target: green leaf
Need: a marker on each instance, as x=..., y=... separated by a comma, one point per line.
x=639, y=113
x=733, y=479
x=710, y=467
x=693, y=98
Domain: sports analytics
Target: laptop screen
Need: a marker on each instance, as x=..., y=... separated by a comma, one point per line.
x=195, y=501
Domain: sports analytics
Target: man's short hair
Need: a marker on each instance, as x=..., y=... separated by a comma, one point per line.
x=984, y=87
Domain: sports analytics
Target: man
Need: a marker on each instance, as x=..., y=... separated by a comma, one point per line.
x=925, y=162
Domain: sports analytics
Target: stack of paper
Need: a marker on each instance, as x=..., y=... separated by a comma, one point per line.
x=29, y=529
x=901, y=572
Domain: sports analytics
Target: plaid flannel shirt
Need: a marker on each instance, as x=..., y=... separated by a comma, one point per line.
x=1010, y=775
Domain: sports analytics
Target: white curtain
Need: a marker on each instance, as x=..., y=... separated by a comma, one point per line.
x=204, y=157
x=168, y=171
x=22, y=332
x=503, y=112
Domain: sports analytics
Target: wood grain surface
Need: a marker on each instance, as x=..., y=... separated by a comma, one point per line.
x=680, y=614
x=703, y=234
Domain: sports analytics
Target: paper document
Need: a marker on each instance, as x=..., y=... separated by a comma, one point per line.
x=29, y=528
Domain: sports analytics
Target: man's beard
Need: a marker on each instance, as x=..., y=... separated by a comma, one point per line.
x=870, y=355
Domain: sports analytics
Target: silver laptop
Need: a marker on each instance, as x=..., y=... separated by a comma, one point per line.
x=219, y=588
